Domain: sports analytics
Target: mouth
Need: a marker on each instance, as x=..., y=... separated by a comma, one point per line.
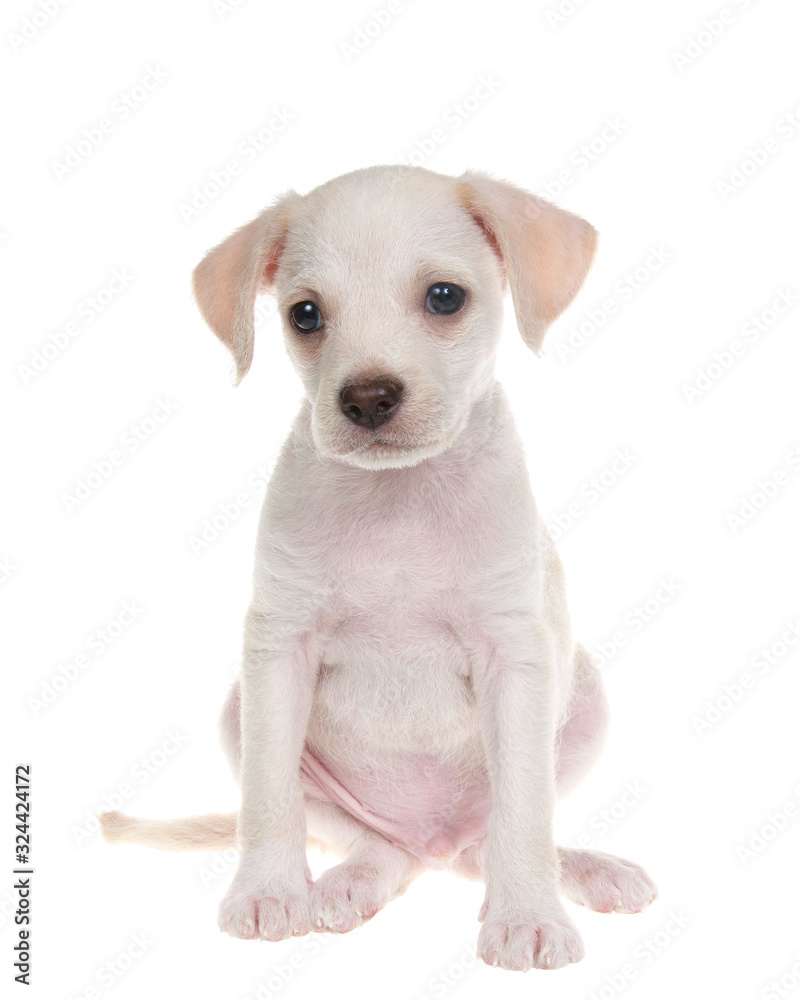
x=386, y=444
x=387, y=441
x=400, y=443
x=380, y=452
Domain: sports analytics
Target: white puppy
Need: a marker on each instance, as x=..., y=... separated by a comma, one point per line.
x=410, y=694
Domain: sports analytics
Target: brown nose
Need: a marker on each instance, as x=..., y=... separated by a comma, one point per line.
x=371, y=405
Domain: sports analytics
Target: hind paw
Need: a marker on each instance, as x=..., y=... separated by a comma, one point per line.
x=603, y=882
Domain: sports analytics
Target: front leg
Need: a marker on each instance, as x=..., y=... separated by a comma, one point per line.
x=269, y=895
x=524, y=922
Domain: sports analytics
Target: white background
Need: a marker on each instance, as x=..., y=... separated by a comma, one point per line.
x=691, y=178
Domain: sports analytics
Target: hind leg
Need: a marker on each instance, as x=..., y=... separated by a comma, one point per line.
x=598, y=881
x=594, y=879
x=373, y=871
x=580, y=737
x=230, y=728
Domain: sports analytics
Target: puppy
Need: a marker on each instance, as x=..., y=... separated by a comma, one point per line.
x=410, y=694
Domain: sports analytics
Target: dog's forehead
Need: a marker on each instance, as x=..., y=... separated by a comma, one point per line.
x=381, y=218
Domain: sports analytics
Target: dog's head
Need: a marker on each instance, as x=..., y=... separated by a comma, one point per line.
x=389, y=283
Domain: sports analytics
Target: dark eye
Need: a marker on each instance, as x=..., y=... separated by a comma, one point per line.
x=445, y=297
x=305, y=317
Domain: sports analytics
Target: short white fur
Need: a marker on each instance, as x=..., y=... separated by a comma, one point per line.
x=408, y=605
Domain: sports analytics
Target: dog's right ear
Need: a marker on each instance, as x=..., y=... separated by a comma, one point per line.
x=228, y=278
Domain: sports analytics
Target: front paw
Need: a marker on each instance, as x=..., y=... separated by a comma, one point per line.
x=271, y=912
x=548, y=942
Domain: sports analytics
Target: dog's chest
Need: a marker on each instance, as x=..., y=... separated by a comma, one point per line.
x=400, y=565
x=395, y=668
x=394, y=717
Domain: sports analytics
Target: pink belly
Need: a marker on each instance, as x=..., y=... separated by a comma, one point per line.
x=435, y=812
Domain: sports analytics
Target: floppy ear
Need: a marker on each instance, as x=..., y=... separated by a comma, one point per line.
x=228, y=278
x=546, y=251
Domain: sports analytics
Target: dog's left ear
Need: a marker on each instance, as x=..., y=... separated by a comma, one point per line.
x=546, y=252
x=228, y=278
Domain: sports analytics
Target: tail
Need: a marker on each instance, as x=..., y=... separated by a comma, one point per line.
x=212, y=832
